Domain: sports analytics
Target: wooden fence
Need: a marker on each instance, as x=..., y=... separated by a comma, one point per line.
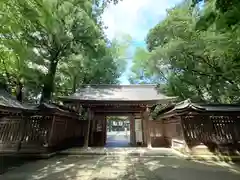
x=188, y=125
x=40, y=131
x=10, y=131
x=156, y=132
x=214, y=131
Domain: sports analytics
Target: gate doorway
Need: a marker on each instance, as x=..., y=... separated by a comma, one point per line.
x=118, y=131
x=95, y=102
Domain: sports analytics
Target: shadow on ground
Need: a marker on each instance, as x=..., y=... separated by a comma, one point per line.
x=9, y=162
x=124, y=167
x=180, y=169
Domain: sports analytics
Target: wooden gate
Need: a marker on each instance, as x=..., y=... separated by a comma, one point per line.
x=98, y=131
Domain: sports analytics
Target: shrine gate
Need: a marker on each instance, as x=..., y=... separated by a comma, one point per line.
x=100, y=101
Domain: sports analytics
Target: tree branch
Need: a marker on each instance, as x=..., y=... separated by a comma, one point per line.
x=6, y=71
x=218, y=71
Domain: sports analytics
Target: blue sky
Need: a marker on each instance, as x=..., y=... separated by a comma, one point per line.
x=134, y=17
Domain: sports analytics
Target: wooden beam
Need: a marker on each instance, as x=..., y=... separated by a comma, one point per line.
x=89, y=118
x=22, y=130
x=115, y=113
x=118, y=109
x=132, y=130
x=105, y=135
x=111, y=102
x=104, y=122
x=143, y=128
x=93, y=128
x=50, y=138
x=148, y=135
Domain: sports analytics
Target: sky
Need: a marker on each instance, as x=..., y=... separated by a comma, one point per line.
x=134, y=17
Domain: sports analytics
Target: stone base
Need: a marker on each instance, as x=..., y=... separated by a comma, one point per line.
x=197, y=150
x=29, y=155
x=202, y=152
x=131, y=151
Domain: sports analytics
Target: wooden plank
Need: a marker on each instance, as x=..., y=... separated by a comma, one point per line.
x=52, y=129
x=143, y=129
x=147, y=127
x=89, y=118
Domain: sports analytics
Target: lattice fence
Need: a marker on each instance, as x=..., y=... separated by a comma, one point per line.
x=207, y=129
x=39, y=132
x=36, y=133
x=10, y=132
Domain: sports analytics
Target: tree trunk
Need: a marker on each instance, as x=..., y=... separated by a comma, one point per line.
x=19, y=91
x=74, y=87
x=3, y=83
x=49, y=82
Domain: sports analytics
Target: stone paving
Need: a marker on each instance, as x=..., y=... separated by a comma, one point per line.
x=118, y=139
x=131, y=151
x=121, y=164
x=121, y=167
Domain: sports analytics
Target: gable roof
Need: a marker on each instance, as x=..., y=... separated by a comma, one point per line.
x=188, y=105
x=118, y=93
x=8, y=101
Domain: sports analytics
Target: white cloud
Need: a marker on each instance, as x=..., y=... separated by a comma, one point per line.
x=135, y=17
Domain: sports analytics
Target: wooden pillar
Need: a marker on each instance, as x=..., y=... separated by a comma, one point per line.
x=143, y=129
x=23, y=124
x=79, y=108
x=131, y=127
x=93, y=128
x=103, y=129
x=89, y=118
x=147, y=127
x=105, y=135
x=51, y=137
x=132, y=130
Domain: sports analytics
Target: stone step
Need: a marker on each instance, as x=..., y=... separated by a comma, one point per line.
x=120, y=151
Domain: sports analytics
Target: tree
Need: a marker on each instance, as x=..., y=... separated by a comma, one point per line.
x=201, y=64
x=42, y=35
x=224, y=14
x=103, y=70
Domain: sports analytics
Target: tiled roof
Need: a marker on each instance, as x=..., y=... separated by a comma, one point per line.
x=188, y=105
x=207, y=107
x=7, y=100
x=118, y=93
